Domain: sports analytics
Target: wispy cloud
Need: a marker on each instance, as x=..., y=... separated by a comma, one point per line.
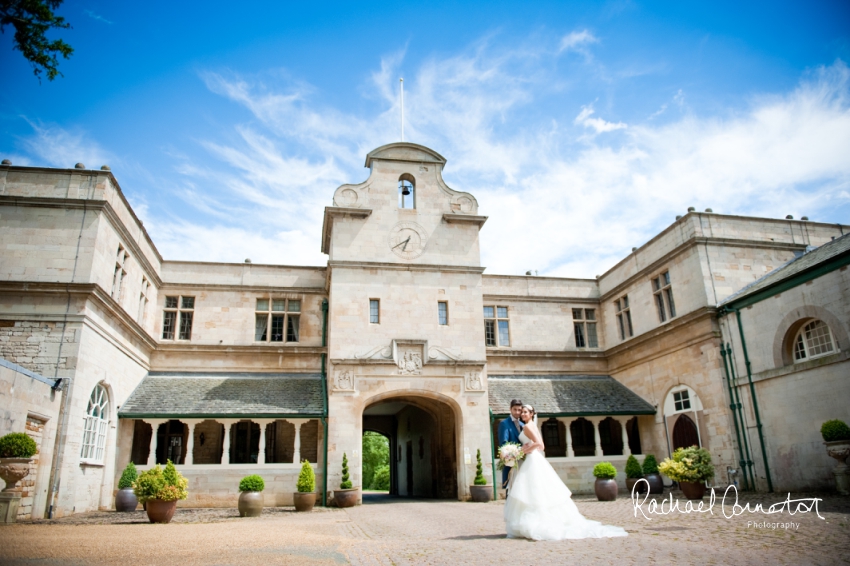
x=97, y=17
x=598, y=124
x=62, y=147
x=577, y=41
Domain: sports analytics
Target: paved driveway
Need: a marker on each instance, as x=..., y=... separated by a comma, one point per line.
x=398, y=531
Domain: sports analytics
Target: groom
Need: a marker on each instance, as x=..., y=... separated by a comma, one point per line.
x=509, y=430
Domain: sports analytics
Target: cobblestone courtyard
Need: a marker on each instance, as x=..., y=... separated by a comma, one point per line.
x=398, y=531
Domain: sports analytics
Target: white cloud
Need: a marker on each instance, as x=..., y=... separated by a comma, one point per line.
x=598, y=124
x=60, y=147
x=577, y=40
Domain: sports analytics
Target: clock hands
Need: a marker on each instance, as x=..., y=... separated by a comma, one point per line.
x=400, y=243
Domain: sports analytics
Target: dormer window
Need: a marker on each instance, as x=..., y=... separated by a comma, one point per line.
x=406, y=191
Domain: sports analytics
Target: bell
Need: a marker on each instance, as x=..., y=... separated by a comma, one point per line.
x=405, y=190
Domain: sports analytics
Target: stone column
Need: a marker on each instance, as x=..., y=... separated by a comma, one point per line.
x=626, y=450
x=154, y=439
x=296, y=453
x=567, y=423
x=596, y=438
x=261, y=455
x=190, y=445
x=225, y=455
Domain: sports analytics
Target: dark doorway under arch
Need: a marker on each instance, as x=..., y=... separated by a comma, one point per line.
x=685, y=433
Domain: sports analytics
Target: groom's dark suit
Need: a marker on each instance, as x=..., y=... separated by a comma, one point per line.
x=508, y=432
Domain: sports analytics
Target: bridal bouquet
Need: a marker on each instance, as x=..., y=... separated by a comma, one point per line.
x=509, y=454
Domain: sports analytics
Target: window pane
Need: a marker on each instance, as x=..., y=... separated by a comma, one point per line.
x=621, y=327
x=294, y=306
x=277, y=328
x=504, y=337
x=489, y=312
x=659, y=302
x=443, y=313
x=188, y=302
x=490, y=332
x=656, y=283
x=260, y=327
x=579, y=331
x=590, y=314
x=629, y=321
x=186, y=325
x=292, y=328
x=168, y=318
x=577, y=315
x=278, y=305
x=502, y=312
x=799, y=348
x=666, y=277
x=591, y=335
x=818, y=339
x=374, y=311
x=262, y=304
x=626, y=302
x=670, y=304
x=171, y=302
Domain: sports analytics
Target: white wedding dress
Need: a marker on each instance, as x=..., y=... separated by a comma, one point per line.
x=540, y=506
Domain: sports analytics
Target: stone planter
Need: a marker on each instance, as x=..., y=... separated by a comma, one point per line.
x=304, y=501
x=692, y=490
x=126, y=500
x=160, y=511
x=12, y=470
x=656, y=484
x=250, y=503
x=840, y=450
x=630, y=485
x=346, y=497
x=481, y=493
x=606, y=490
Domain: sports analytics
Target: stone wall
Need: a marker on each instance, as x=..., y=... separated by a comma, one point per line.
x=36, y=345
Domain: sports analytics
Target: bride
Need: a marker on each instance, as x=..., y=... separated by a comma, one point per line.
x=539, y=505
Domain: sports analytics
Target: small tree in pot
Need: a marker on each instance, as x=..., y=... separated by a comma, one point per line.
x=16, y=452
x=480, y=491
x=346, y=495
x=126, y=500
x=634, y=473
x=650, y=473
x=691, y=467
x=251, y=496
x=836, y=436
x=305, y=497
x=160, y=490
x=605, y=486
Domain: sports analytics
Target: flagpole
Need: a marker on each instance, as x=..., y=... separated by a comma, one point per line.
x=401, y=83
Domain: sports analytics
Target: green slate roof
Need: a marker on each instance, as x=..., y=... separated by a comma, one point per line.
x=567, y=395
x=185, y=394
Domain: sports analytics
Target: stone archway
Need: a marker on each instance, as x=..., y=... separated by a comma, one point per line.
x=423, y=444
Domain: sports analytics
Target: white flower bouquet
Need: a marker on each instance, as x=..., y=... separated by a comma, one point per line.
x=509, y=454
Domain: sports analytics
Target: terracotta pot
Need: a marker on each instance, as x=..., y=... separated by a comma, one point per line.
x=656, y=484
x=346, y=497
x=160, y=511
x=304, y=501
x=692, y=490
x=126, y=501
x=13, y=470
x=481, y=493
x=250, y=503
x=606, y=490
x=630, y=485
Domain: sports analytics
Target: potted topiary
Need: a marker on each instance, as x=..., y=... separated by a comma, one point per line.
x=160, y=490
x=605, y=486
x=346, y=495
x=126, y=500
x=16, y=452
x=691, y=467
x=480, y=491
x=305, y=497
x=836, y=436
x=650, y=473
x=251, y=496
x=633, y=473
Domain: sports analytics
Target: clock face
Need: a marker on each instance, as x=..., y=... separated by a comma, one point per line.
x=407, y=240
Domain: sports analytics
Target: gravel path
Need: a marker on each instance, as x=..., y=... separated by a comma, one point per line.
x=399, y=531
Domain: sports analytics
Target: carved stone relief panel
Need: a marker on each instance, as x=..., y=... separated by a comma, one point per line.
x=344, y=381
x=409, y=359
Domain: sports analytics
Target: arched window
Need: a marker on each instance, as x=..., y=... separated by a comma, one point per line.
x=813, y=341
x=94, y=426
x=406, y=191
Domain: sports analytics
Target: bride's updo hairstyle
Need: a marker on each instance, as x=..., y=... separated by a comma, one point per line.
x=531, y=410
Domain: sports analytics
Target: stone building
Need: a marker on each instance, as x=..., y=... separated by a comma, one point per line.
x=112, y=354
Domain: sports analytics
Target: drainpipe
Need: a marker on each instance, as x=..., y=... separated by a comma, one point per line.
x=493, y=457
x=325, y=404
x=748, y=469
x=755, y=400
x=732, y=405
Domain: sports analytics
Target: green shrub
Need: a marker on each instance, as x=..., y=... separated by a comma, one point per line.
x=689, y=465
x=346, y=481
x=306, y=479
x=381, y=479
x=605, y=471
x=830, y=431
x=479, y=471
x=166, y=485
x=252, y=483
x=17, y=445
x=650, y=465
x=633, y=469
x=128, y=477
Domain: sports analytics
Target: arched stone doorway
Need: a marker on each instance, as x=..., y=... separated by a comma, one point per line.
x=423, y=444
x=685, y=433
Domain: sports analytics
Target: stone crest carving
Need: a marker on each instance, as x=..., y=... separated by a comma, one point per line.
x=473, y=381
x=410, y=363
x=344, y=381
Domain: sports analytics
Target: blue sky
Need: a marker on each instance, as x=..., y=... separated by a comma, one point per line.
x=581, y=128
